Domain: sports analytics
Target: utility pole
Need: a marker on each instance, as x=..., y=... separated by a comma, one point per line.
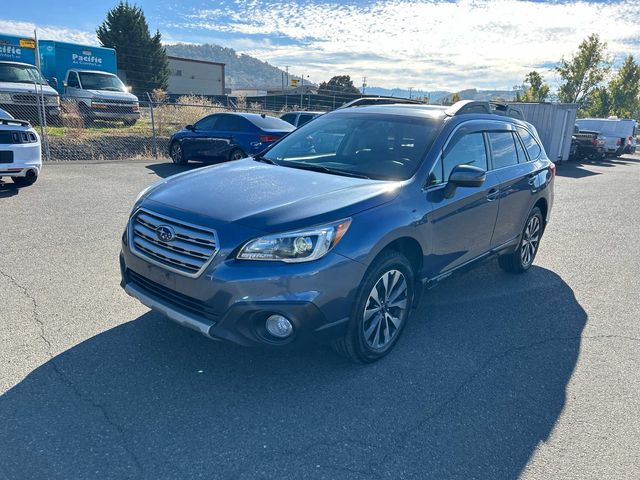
x=301, y=89
x=287, y=68
x=364, y=84
x=410, y=92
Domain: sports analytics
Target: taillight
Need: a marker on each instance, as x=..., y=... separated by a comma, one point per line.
x=552, y=169
x=629, y=140
x=595, y=142
x=268, y=138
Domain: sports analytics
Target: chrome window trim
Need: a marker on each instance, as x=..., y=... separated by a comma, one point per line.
x=134, y=250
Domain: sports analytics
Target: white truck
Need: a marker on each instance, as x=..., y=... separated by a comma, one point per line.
x=619, y=134
x=24, y=93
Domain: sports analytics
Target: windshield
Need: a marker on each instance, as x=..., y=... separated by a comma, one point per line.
x=101, y=81
x=10, y=72
x=383, y=147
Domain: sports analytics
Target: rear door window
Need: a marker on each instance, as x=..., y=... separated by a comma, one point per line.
x=531, y=144
x=522, y=157
x=231, y=123
x=503, y=149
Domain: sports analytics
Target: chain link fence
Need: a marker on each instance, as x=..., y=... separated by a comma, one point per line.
x=110, y=126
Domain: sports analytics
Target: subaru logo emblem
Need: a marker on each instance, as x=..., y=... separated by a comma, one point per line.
x=165, y=233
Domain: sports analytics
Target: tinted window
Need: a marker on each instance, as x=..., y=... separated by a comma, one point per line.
x=467, y=150
x=289, y=117
x=207, y=123
x=503, y=148
x=231, y=123
x=304, y=118
x=530, y=143
x=522, y=157
x=386, y=147
x=72, y=81
x=270, y=123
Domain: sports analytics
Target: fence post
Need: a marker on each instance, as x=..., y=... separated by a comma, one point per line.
x=153, y=128
x=42, y=118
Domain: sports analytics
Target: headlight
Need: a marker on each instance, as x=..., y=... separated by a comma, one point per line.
x=298, y=246
x=52, y=100
x=5, y=97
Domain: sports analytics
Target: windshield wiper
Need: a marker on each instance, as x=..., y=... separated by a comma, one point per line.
x=260, y=158
x=322, y=169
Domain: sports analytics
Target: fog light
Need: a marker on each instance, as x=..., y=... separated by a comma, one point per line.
x=279, y=326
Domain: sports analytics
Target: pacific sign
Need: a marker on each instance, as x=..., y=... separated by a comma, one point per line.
x=86, y=59
x=23, y=53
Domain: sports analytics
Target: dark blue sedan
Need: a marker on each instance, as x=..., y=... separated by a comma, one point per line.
x=226, y=136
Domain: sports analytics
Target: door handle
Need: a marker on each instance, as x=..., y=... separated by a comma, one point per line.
x=493, y=194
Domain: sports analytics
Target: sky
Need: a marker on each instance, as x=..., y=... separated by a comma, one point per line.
x=428, y=45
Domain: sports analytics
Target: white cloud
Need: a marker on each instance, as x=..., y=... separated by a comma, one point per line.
x=48, y=32
x=424, y=43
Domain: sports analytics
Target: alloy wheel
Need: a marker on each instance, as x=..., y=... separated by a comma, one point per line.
x=385, y=310
x=176, y=153
x=530, y=239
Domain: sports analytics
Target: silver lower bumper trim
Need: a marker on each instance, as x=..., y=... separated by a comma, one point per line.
x=181, y=318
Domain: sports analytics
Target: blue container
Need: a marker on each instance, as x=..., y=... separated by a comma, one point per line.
x=57, y=58
x=14, y=48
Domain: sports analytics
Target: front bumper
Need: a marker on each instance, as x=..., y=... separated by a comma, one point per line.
x=110, y=115
x=232, y=299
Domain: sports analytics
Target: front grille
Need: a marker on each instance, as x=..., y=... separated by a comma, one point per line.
x=184, y=302
x=188, y=253
x=24, y=98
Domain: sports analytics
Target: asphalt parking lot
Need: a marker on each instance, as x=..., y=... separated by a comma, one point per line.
x=496, y=376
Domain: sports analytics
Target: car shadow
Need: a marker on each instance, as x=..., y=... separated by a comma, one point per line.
x=579, y=168
x=476, y=383
x=167, y=169
x=8, y=189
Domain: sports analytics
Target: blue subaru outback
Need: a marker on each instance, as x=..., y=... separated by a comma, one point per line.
x=333, y=232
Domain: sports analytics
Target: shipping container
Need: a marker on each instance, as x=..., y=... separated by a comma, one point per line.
x=554, y=123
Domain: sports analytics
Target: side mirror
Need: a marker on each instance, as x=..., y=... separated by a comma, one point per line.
x=54, y=82
x=65, y=84
x=190, y=127
x=464, y=176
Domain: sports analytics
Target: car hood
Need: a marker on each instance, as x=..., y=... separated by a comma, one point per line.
x=269, y=197
x=14, y=87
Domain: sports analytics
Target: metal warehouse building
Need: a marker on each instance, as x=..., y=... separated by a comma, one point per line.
x=195, y=77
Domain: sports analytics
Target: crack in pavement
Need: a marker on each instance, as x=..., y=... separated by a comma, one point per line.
x=65, y=379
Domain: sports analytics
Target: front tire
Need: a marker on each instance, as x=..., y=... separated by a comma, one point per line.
x=380, y=311
x=176, y=154
x=522, y=258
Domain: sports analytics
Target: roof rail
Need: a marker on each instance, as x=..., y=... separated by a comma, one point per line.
x=472, y=106
x=13, y=121
x=366, y=101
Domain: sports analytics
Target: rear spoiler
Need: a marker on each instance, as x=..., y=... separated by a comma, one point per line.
x=13, y=121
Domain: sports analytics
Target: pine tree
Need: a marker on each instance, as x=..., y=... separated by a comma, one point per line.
x=140, y=55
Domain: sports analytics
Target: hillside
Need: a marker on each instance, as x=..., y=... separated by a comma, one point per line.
x=241, y=71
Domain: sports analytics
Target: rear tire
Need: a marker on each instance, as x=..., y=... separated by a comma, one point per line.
x=520, y=260
x=129, y=123
x=381, y=309
x=236, y=154
x=176, y=154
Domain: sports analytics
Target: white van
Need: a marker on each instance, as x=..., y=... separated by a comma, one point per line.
x=619, y=134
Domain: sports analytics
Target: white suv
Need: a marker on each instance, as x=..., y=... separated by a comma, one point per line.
x=20, y=151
